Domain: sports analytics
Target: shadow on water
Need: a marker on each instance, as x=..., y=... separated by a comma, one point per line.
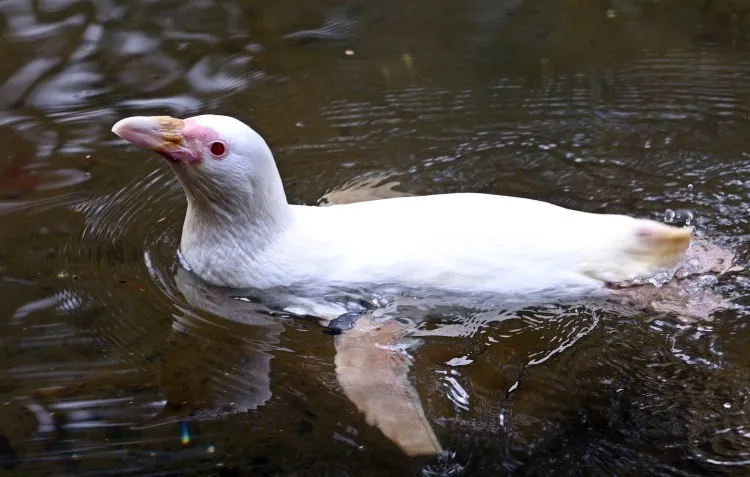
x=114, y=365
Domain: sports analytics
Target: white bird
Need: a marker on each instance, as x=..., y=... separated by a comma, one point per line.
x=240, y=231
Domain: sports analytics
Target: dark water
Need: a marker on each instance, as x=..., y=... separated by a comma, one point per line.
x=625, y=106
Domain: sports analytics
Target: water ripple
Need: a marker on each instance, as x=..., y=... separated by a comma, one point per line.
x=110, y=354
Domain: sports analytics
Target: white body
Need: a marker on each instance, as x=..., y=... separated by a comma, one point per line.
x=457, y=242
x=240, y=231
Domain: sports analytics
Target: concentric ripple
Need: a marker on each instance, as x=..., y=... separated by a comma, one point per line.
x=116, y=360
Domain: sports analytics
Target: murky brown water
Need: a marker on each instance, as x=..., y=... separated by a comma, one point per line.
x=624, y=106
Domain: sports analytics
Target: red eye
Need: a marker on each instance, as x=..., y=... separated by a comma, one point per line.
x=217, y=148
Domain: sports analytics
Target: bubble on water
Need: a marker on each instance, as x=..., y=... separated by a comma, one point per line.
x=669, y=216
x=679, y=217
x=687, y=216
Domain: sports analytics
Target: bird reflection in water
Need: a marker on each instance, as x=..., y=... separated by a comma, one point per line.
x=232, y=366
x=371, y=371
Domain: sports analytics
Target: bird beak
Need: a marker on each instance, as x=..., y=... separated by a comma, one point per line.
x=161, y=134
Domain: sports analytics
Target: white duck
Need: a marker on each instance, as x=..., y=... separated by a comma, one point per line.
x=240, y=231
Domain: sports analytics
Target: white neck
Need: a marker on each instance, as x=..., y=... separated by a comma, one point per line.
x=242, y=221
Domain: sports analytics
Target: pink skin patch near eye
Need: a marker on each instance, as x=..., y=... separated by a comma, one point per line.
x=199, y=137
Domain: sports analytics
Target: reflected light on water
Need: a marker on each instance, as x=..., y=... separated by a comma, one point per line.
x=115, y=360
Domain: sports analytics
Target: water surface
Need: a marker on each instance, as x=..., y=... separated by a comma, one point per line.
x=622, y=106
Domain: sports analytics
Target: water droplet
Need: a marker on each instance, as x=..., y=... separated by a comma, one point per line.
x=679, y=216
x=611, y=13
